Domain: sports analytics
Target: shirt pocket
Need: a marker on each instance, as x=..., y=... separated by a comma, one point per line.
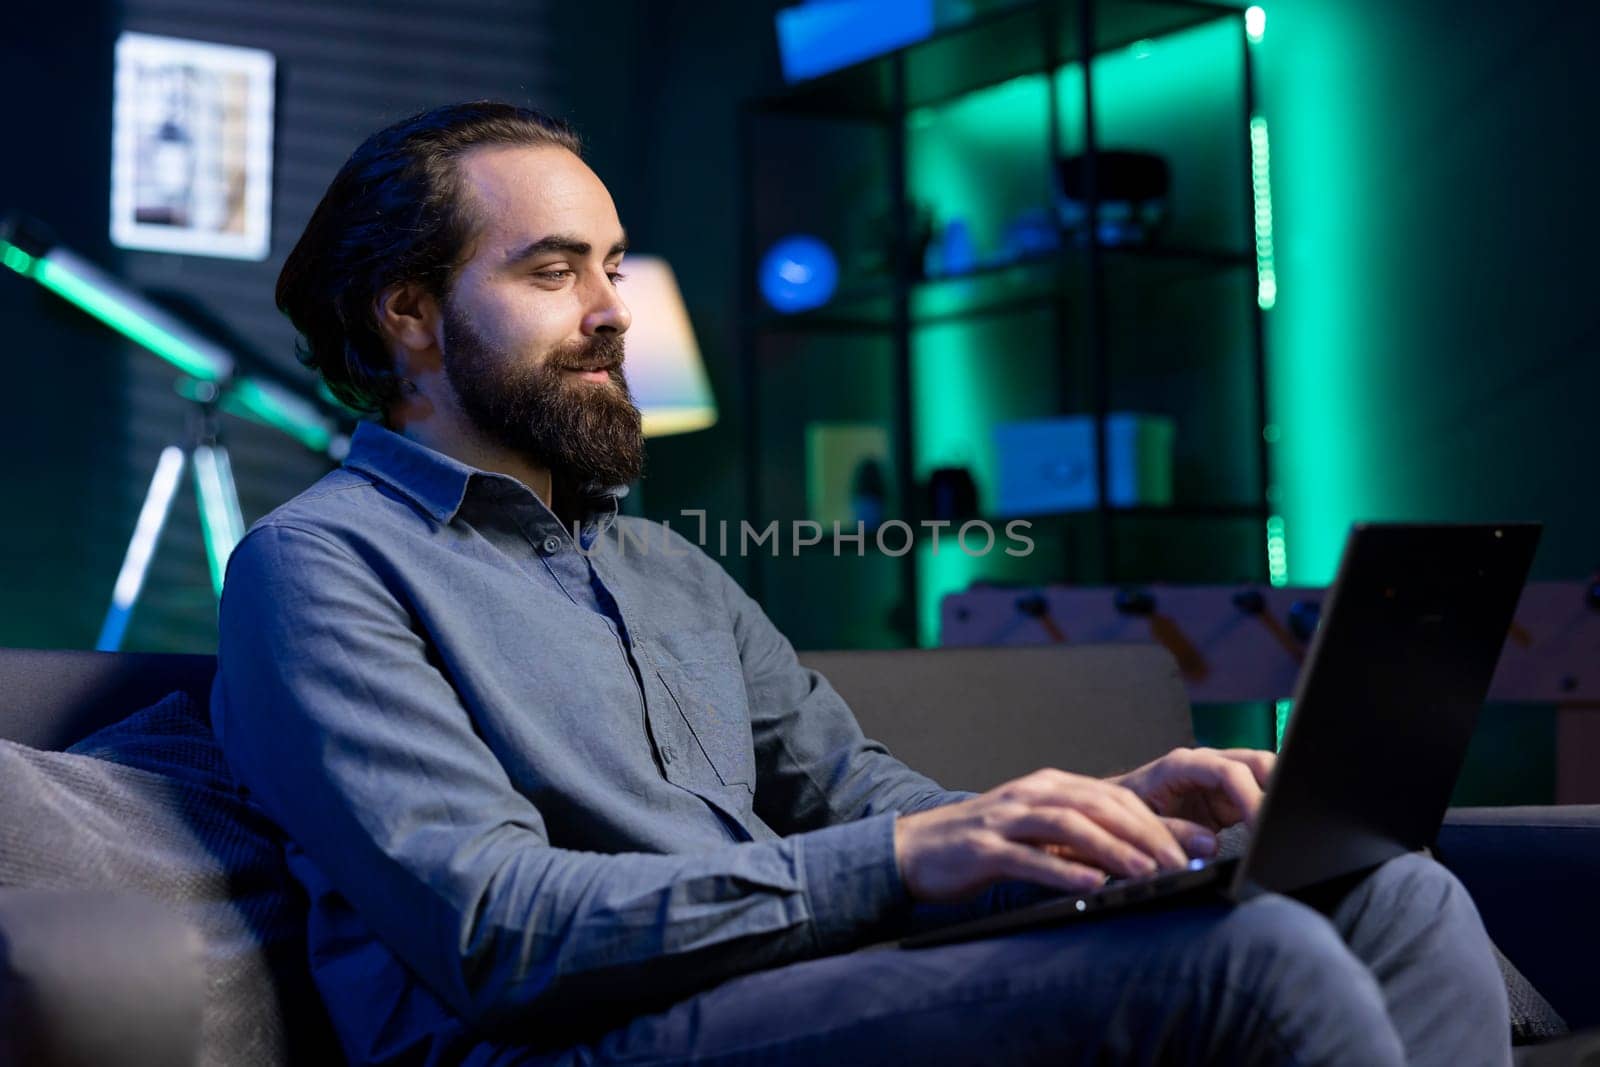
x=706, y=682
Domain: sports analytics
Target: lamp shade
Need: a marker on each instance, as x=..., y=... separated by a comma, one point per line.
x=665, y=372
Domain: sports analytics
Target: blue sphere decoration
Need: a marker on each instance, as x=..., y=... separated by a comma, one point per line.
x=798, y=273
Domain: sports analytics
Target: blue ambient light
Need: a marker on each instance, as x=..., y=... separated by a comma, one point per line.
x=798, y=273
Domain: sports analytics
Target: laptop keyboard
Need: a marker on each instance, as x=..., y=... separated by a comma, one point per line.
x=1199, y=863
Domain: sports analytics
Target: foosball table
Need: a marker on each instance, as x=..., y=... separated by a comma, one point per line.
x=1238, y=644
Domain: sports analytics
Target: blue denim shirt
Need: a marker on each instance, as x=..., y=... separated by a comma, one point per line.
x=531, y=783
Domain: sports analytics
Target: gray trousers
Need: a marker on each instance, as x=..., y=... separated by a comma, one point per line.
x=1394, y=968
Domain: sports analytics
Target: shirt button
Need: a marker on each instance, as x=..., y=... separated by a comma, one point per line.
x=668, y=754
x=551, y=546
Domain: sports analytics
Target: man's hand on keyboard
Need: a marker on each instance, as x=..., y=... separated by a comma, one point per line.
x=1062, y=830
x=1213, y=787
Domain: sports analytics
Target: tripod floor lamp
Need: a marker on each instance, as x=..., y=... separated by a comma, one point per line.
x=211, y=382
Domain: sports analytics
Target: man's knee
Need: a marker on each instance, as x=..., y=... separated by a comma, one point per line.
x=1415, y=927
x=1273, y=936
x=1417, y=883
x=1412, y=902
x=1291, y=984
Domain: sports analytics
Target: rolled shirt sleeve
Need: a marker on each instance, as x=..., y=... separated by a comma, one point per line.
x=341, y=725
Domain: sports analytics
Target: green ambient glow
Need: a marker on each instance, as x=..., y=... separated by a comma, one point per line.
x=982, y=158
x=1277, y=552
x=1332, y=206
x=955, y=392
x=974, y=158
x=1261, y=186
x=1281, y=715
x=1255, y=24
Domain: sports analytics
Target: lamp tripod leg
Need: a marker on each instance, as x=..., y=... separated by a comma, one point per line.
x=142, y=547
x=220, y=517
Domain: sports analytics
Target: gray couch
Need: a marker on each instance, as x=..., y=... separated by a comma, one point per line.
x=97, y=970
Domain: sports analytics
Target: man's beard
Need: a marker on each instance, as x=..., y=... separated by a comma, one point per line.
x=588, y=435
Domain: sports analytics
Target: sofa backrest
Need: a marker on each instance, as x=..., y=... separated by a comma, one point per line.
x=52, y=698
x=971, y=718
x=967, y=717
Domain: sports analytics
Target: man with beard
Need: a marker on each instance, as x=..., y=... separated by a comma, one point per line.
x=553, y=799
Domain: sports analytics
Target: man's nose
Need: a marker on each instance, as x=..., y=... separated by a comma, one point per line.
x=607, y=313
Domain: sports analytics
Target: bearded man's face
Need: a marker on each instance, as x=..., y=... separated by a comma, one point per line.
x=567, y=409
x=531, y=337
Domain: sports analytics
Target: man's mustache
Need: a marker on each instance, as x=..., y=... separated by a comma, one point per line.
x=604, y=352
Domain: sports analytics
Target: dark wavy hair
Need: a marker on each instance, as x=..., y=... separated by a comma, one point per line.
x=394, y=213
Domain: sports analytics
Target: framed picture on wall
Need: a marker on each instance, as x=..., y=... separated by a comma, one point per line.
x=191, y=159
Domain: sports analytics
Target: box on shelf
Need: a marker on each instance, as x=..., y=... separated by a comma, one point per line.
x=1049, y=465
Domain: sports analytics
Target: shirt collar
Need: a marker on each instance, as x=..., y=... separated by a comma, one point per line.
x=438, y=484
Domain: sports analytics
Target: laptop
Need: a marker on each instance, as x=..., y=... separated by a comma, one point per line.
x=1384, y=707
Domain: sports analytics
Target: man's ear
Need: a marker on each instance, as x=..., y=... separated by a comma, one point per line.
x=408, y=318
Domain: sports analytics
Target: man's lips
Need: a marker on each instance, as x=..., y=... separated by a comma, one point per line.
x=593, y=374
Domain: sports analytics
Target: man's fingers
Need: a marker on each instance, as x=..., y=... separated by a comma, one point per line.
x=1030, y=864
x=1121, y=812
x=1241, y=787
x=1258, y=760
x=1195, y=839
x=1117, y=809
x=1226, y=789
x=1081, y=836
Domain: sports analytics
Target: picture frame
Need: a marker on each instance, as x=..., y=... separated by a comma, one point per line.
x=191, y=164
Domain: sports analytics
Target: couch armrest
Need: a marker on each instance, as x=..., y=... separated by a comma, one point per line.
x=97, y=978
x=1534, y=872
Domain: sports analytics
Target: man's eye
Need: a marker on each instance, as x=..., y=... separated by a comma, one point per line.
x=615, y=278
x=553, y=275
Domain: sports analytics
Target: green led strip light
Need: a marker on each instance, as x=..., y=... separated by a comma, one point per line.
x=1255, y=24
x=1281, y=712
x=1261, y=186
x=1277, y=552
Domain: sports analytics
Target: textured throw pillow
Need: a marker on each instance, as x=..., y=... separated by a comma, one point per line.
x=147, y=805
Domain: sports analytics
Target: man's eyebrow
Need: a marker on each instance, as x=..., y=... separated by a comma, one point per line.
x=560, y=242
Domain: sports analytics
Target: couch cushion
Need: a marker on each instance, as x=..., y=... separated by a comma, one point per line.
x=1532, y=1018
x=147, y=805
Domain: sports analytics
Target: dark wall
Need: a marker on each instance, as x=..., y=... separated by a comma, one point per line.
x=64, y=379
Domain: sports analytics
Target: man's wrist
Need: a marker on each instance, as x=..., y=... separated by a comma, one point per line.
x=853, y=881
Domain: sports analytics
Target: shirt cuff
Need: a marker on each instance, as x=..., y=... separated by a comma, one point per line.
x=852, y=882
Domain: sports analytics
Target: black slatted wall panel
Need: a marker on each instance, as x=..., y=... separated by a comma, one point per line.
x=61, y=373
x=344, y=70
